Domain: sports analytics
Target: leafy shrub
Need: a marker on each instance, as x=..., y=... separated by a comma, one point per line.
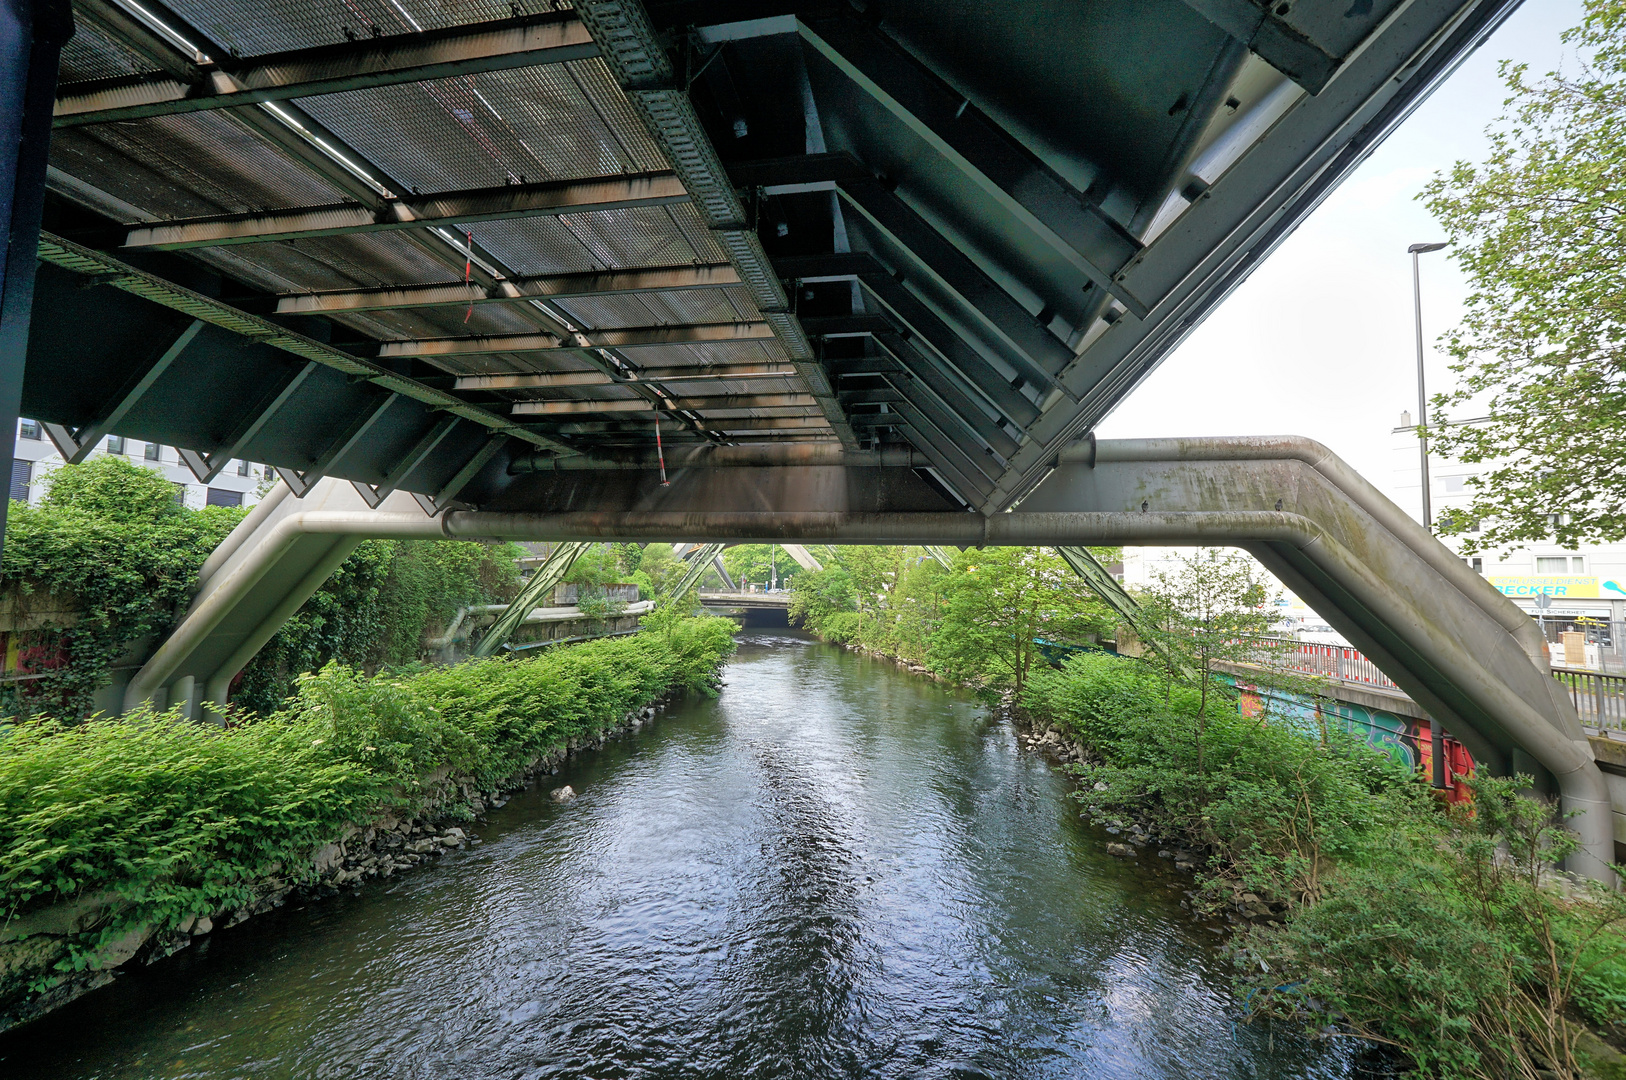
x=110, y=544
x=181, y=819
x=1444, y=934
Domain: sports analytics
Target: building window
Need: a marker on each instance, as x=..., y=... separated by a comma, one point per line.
x=152, y=451
x=224, y=497
x=115, y=444
x=1479, y=565
x=270, y=473
x=180, y=494
x=1555, y=564
x=1577, y=564
x=29, y=429
x=244, y=469
x=1454, y=485
x=22, y=474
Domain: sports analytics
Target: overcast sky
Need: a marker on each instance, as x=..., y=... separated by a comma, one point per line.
x=1319, y=341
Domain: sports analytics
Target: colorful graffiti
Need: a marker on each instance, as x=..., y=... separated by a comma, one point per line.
x=1407, y=741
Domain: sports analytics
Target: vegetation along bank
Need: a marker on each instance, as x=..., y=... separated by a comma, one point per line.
x=1360, y=905
x=124, y=840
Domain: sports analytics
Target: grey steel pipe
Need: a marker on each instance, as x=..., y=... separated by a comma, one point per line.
x=716, y=457
x=1337, y=473
x=208, y=611
x=245, y=528
x=218, y=687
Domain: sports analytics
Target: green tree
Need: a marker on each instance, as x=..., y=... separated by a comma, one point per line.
x=1213, y=608
x=111, y=557
x=758, y=563
x=660, y=565
x=113, y=488
x=1540, y=230
x=998, y=604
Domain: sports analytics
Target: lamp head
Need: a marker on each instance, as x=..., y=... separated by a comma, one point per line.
x=1423, y=249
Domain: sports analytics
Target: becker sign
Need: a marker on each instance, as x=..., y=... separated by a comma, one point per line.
x=1547, y=585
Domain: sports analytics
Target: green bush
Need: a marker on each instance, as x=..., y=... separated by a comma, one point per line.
x=1447, y=935
x=180, y=819
x=109, y=542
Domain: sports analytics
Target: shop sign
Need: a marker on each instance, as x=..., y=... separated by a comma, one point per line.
x=1572, y=588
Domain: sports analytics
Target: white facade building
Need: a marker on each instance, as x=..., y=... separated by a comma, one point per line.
x=35, y=457
x=1564, y=589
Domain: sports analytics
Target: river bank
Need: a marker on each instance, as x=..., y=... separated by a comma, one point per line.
x=831, y=870
x=1300, y=845
x=392, y=772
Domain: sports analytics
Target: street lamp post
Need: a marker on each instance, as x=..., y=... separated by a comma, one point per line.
x=1422, y=395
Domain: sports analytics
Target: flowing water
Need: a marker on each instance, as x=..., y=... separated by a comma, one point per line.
x=834, y=870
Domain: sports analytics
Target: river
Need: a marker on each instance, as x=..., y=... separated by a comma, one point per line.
x=834, y=870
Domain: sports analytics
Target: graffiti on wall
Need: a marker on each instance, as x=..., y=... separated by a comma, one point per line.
x=1405, y=740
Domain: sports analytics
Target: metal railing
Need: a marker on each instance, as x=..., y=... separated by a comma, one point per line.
x=1600, y=699
x=1341, y=662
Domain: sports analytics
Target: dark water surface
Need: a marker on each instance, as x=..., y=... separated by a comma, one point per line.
x=835, y=870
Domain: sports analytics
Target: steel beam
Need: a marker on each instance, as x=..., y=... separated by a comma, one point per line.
x=644, y=429
x=1065, y=218
x=302, y=480
x=229, y=82
x=32, y=33
x=513, y=290
x=374, y=495
x=256, y=420
x=628, y=338
x=839, y=326
x=988, y=301
x=548, y=379
x=123, y=276
x=1256, y=201
x=540, y=584
x=984, y=300
x=444, y=498
x=915, y=366
x=637, y=58
x=716, y=401
x=507, y=203
x=1272, y=39
x=912, y=316
x=76, y=446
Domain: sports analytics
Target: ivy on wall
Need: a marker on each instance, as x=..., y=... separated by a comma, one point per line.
x=106, y=559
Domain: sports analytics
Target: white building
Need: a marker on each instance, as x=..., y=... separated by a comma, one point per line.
x=1565, y=589
x=35, y=457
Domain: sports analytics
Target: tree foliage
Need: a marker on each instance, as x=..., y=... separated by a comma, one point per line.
x=107, y=559
x=979, y=622
x=1211, y=609
x=1539, y=227
x=1002, y=606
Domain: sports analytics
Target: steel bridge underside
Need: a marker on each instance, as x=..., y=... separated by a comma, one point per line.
x=424, y=247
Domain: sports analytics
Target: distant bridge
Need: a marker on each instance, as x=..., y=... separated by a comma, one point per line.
x=747, y=600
